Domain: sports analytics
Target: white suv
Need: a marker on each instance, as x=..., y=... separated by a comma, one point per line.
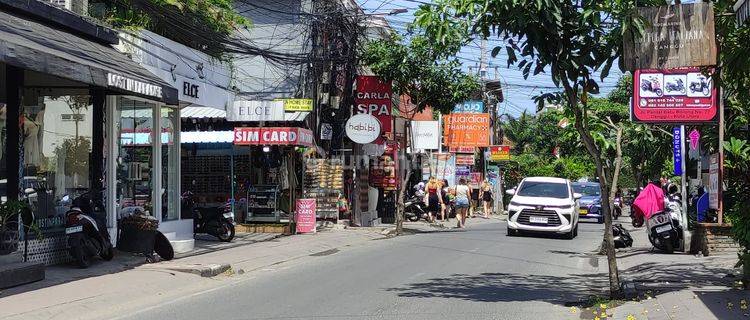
x=543, y=204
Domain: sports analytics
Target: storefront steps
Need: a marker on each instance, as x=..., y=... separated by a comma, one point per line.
x=180, y=245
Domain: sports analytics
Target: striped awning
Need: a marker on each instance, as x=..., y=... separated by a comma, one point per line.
x=202, y=113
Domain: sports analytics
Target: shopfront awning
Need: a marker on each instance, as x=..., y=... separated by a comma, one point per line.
x=202, y=113
x=47, y=49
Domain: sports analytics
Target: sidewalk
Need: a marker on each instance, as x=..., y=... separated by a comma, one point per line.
x=679, y=285
x=110, y=289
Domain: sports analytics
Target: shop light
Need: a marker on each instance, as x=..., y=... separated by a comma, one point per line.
x=266, y=149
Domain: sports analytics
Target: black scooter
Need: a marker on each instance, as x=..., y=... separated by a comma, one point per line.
x=415, y=209
x=678, y=86
x=87, y=233
x=217, y=222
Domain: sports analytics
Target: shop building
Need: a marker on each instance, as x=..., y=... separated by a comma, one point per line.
x=79, y=116
x=203, y=92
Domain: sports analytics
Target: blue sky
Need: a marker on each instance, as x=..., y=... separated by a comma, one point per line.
x=518, y=91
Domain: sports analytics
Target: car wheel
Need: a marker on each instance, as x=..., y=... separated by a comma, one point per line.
x=571, y=234
x=575, y=231
x=511, y=232
x=600, y=220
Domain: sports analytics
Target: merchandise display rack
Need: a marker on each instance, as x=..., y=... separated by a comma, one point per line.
x=324, y=182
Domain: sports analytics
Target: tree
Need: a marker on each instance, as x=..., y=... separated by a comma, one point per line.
x=424, y=71
x=570, y=40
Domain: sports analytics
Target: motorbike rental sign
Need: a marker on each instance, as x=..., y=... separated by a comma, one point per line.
x=679, y=95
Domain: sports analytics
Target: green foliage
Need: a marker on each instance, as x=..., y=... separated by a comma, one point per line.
x=200, y=24
x=421, y=69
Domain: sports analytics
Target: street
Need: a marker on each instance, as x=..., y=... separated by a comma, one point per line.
x=477, y=273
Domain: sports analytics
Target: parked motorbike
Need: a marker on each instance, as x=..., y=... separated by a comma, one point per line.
x=87, y=233
x=617, y=208
x=652, y=85
x=217, y=222
x=664, y=228
x=700, y=86
x=621, y=237
x=415, y=208
x=678, y=86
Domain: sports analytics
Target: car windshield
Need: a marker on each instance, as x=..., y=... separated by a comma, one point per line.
x=587, y=190
x=543, y=189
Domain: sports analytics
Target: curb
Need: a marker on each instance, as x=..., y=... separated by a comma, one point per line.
x=209, y=270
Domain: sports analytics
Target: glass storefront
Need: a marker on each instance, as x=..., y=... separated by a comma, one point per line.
x=134, y=122
x=56, y=140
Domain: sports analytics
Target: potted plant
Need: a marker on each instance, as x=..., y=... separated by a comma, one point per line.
x=9, y=225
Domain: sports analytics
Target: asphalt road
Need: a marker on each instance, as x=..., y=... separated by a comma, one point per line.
x=477, y=273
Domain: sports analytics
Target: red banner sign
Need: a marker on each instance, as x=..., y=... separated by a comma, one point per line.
x=674, y=95
x=500, y=153
x=273, y=136
x=459, y=149
x=374, y=97
x=305, y=215
x=464, y=159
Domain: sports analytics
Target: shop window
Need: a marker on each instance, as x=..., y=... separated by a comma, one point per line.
x=134, y=121
x=170, y=156
x=55, y=154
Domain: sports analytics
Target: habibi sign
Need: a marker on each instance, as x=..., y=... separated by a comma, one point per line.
x=374, y=98
x=675, y=36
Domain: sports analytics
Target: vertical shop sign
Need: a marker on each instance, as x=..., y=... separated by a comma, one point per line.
x=374, y=98
x=713, y=182
x=677, y=150
x=305, y=216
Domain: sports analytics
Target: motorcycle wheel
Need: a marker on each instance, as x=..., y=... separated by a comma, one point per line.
x=413, y=218
x=228, y=233
x=705, y=91
x=82, y=259
x=668, y=246
x=658, y=92
x=108, y=253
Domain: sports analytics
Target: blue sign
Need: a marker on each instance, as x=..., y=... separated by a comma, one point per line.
x=677, y=150
x=469, y=107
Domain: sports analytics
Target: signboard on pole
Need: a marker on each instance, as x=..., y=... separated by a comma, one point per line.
x=674, y=36
x=467, y=129
x=426, y=135
x=713, y=182
x=677, y=150
x=305, y=216
x=459, y=149
x=362, y=128
x=499, y=153
x=473, y=106
x=695, y=137
x=374, y=98
x=294, y=105
x=681, y=95
x=464, y=159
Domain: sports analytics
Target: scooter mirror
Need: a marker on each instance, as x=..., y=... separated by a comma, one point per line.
x=29, y=191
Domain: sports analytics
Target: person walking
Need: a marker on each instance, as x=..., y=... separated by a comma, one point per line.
x=445, y=213
x=486, y=198
x=463, y=194
x=433, y=199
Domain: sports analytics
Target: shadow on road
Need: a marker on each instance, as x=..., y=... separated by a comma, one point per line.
x=508, y=287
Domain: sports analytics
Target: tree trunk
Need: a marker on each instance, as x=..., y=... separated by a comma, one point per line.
x=588, y=141
x=618, y=165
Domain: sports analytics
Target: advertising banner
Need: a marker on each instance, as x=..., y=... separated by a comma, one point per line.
x=476, y=179
x=445, y=167
x=466, y=129
x=682, y=95
x=305, y=216
x=499, y=153
x=674, y=36
x=463, y=172
x=677, y=150
x=374, y=98
x=459, y=149
x=465, y=159
x=426, y=135
x=384, y=169
x=273, y=136
x=469, y=107
x=293, y=105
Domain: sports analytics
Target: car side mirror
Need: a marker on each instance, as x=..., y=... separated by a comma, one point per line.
x=577, y=196
x=510, y=192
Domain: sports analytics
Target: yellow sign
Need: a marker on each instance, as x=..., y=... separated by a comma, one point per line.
x=499, y=153
x=297, y=104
